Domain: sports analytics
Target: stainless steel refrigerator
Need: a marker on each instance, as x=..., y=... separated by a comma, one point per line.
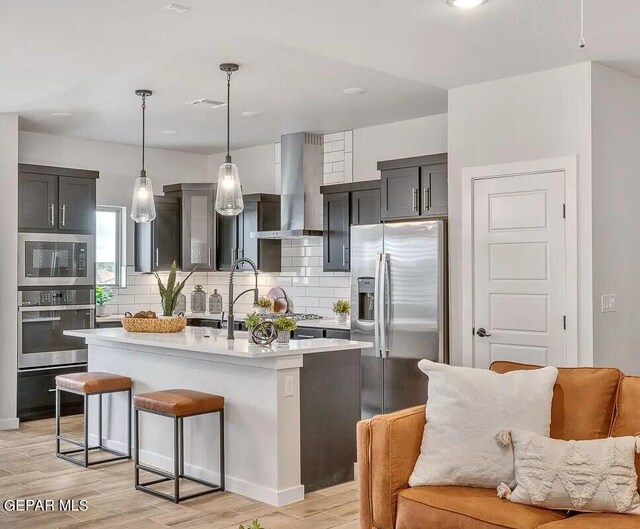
x=399, y=302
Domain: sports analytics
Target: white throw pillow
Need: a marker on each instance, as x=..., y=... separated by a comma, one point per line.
x=589, y=476
x=465, y=409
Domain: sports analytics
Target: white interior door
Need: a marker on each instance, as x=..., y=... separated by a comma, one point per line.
x=519, y=269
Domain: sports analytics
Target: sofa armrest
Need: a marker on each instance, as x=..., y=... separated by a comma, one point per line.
x=388, y=447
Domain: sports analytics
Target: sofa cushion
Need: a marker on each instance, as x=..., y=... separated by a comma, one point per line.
x=596, y=521
x=583, y=400
x=627, y=420
x=443, y=507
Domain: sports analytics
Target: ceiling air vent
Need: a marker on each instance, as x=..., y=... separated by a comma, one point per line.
x=206, y=101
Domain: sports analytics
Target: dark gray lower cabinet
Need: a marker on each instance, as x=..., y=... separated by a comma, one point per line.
x=336, y=232
x=157, y=243
x=37, y=401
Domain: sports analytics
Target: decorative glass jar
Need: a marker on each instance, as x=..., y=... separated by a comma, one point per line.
x=215, y=302
x=181, y=304
x=198, y=300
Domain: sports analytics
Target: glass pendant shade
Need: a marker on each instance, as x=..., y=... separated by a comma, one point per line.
x=229, y=193
x=143, y=207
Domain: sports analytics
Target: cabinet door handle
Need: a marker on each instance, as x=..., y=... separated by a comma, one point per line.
x=414, y=197
x=344, y=255
x=64, y=216
x=52, y=208
x=157, y=257
x=209, y=257
x=427, y=198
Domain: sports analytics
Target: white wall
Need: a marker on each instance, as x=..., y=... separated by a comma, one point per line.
x=616, y=217
x=118, y=164
x=255, y=165
x=540, y=115
x=9, y=268
x=402, y=139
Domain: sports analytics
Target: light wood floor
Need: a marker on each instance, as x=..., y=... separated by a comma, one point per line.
x=29, y=469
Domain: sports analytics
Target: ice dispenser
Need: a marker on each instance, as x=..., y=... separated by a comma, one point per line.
x=366, y=298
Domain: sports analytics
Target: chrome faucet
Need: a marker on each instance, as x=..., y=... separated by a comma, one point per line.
x=232, y=300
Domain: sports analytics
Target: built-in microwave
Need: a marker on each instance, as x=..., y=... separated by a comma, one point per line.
x=55, y=259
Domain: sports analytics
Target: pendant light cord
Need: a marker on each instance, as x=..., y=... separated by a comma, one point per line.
x=228, y=158
x=143, y=173
x=582, y=42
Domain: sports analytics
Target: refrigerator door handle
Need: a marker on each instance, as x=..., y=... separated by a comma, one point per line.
x=384, y=303
x=376, y=308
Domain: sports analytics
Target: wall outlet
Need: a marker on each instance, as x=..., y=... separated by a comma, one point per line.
x=609, y=303
x=288, y=386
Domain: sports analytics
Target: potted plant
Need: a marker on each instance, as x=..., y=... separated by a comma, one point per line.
x=254, y=525
x=262, y=305
x=169, y=293
x=103, y=294
x=251, y=320
x=284, y=325
x=342, y=308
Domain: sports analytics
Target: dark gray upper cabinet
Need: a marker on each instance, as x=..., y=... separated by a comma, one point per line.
x=197, y=202
x=414, y=187
x=261, y=213
x=37, y=202
x=400, y=193
x=77, y=204
x=157, y=243
x=365, y=207
x=434, y=182
x=56, y=199
x=336, y=232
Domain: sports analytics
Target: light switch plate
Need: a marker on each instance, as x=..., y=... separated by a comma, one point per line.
x=288, y=387
x=609, y=303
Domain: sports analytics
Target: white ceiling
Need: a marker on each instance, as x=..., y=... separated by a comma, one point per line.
x=88, y=56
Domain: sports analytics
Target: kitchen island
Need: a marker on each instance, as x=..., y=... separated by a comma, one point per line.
x=291, y=410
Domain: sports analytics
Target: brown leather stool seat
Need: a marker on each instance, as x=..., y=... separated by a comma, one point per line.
x=93, y=382
x=179, y=402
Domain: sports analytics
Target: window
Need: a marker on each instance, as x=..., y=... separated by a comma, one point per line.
x=110, y=246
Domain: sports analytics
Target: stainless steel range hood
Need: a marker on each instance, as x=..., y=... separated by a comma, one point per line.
x=301, y=201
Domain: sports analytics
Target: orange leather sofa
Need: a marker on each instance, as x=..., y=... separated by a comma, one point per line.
x=588, y=403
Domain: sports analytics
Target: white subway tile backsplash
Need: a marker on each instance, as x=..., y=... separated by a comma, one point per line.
x=336, y=156
x=338, y=167
x=336, y=136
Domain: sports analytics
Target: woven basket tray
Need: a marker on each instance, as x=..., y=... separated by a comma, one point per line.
x=161, y=325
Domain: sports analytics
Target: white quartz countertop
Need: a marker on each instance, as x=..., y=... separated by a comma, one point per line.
x=194, y=339
x=324, y=323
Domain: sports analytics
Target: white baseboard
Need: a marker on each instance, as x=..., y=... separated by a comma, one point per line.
x=9, y=424
x=248, y=489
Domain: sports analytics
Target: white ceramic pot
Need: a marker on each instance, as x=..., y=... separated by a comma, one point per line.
x=342, y=317
x=101, y=310
x=283, y=337
x=260, y=310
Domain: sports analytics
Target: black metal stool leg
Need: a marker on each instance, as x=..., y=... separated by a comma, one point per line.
x=86, y=431
x=221, y=417
x=100, y=420
x=181, y=423
x=57, y=421
x=137, y=448
x=129, y=425
x=177, y=456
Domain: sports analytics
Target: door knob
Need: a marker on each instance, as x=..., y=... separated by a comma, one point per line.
x=482, y=332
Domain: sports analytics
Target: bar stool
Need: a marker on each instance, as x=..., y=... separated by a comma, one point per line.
x=177, y=404
x=88, y=384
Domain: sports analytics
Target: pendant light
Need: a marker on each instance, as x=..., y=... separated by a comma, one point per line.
x=143, y=207
x=229, y=192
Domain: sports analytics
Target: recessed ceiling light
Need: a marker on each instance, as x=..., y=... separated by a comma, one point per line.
x=208, y=102
x=177, y=8
x=170, y=132
x=466, y=4
x=251, y=114
x=355, y=91
x=63, y=115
